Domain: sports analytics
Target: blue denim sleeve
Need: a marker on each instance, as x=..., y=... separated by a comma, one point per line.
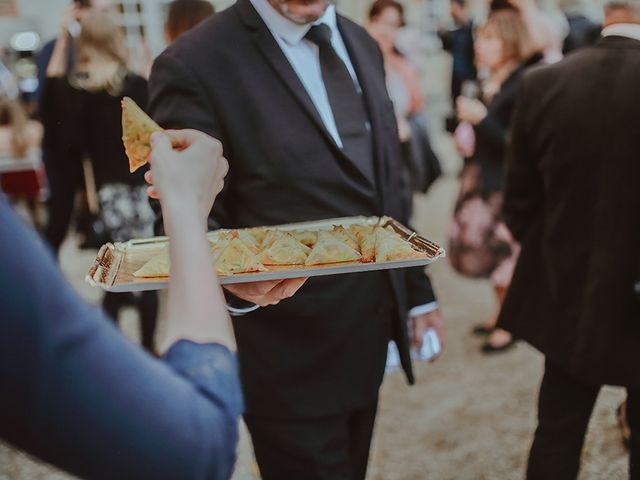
x=212, y=369
x=79, y=395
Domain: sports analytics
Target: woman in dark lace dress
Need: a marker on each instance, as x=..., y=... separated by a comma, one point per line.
x=82, y=118
x=481, y=245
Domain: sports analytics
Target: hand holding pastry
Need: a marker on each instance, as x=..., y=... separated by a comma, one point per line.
x=188, y=178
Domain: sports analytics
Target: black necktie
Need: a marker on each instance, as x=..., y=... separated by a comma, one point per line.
x=346, y=103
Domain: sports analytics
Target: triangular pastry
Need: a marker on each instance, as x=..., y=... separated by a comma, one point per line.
x=367, y=239
x=270, y=238
x=356, y=228
x=345, y=236
x=392, y=247
x=247, y=238
x=137, y=128
x=329, y=249
x=158, y=266
x=258, y=233
x=306, y=237
x=285, y=251
x=236, y=257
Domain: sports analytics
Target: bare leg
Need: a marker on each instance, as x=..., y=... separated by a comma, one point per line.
x=499, y=338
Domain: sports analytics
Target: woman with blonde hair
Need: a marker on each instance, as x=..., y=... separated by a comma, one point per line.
x=481, y=246
x=82, y=118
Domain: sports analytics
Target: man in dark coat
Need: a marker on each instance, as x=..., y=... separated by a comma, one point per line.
x=296, y=94
x=573, y=200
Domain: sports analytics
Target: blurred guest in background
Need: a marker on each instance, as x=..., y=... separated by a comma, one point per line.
x=64, y=174
x=183, y=15
x=20, y=138
x=82, y=117
x=75, y=11
x=386, y=18
x=459, y=42
x=583, y=30
x=481, y=246
x=574, y=207
x=555, y=28
x=618, y=12
x=77, y=394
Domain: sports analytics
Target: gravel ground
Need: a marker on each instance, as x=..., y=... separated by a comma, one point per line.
x=468, y=418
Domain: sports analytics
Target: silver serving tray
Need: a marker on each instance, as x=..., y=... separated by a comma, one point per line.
x=115, y=264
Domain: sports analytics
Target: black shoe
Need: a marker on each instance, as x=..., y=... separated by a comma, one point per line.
x=482, y=330
x=488, y=349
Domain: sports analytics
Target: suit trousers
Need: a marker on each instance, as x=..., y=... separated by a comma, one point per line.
x=322, y=448
x=564, y=408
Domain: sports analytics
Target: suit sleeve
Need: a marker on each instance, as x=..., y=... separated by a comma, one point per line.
x=177, y=100
x=492, y=130
x=419, y=289
x=524, y=189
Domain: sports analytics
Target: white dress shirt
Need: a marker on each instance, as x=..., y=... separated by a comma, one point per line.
x=629, y=30
x=304, y=57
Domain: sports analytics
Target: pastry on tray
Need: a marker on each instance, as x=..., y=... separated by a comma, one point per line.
x=285, y=250
x=236, y=257
x=158, y=266
x=331, y=249
x=261, y=249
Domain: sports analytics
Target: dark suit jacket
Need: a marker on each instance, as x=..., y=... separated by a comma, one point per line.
x=459, y=43
x=322, y=351
x=572, y=199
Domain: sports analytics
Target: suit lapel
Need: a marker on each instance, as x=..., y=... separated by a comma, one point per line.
x=272, y=52
x=280, y=64
x=278, y=61
x=372, y=90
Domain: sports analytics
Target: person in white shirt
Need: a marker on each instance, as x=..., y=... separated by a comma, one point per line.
x=296, y=94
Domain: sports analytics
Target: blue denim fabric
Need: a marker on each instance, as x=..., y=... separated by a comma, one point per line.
x=76, y=393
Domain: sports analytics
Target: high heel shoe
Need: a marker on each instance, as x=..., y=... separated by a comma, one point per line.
x=482, y=330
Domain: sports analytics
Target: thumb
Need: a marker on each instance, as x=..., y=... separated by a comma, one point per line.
x=160, y=142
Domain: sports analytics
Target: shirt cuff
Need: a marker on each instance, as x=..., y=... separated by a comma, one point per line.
x=213, y=369
x=237, y=312
x=423, y=309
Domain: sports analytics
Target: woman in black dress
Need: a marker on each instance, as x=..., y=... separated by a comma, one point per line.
x=82, y=118
x=481, y=245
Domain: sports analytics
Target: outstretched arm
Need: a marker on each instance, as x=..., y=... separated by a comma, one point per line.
x=79, y=395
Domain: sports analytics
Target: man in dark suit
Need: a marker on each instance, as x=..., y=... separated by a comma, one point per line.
x=297, y=96
x=459, y=43
x=572, y=200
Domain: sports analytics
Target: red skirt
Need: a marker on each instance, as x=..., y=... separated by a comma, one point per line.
x=27, y=184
